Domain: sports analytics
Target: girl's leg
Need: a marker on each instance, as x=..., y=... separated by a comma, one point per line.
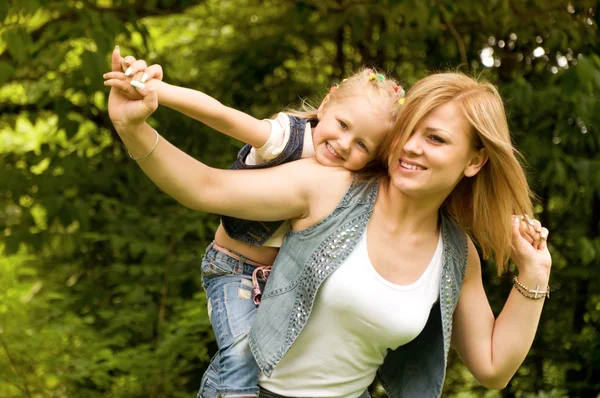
x=229, y=291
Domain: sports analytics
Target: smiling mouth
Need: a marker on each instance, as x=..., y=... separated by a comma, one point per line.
x=410, y=166
x=332, y=151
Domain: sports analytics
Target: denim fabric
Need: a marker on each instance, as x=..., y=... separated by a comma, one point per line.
x=228, y=285
x=210, y=379
x=256, y=233
x=268, y=394
x=307, y=257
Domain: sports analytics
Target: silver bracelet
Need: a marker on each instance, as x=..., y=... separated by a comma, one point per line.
x=149, y=153
x=534, y=294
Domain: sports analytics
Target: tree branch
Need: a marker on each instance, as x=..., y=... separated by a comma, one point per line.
x=459, y=41
x=13, y=367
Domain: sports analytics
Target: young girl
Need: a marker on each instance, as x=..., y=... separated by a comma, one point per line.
x=346, y=131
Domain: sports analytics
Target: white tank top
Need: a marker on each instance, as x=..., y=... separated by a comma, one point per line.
x=357, y=316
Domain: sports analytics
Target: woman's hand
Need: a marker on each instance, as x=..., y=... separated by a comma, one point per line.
x=137, y=75
x=128, y=106
x=530, y=250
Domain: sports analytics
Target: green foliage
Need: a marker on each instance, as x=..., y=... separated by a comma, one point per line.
x=100, y=292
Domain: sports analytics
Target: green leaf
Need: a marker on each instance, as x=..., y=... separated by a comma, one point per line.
x=19, y=43
x=94, y=65
x=3, y=10
x=6, y=72
x=587, y=250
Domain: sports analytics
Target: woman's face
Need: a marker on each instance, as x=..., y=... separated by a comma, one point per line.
x=438, y=154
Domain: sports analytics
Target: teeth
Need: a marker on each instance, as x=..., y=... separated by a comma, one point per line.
x=333, y=151
x=411, y=166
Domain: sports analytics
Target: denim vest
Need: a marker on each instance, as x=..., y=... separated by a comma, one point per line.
x=256, y=233
x=307, y=257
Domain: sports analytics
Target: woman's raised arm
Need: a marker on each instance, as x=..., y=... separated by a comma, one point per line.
x=277, y=193
x=493, y=349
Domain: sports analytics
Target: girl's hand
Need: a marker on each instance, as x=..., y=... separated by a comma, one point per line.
x=148, y=77
x=137, y=69
x=124, y=109
x=530, y=250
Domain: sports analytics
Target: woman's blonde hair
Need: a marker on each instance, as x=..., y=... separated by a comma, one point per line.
x=383, y=92
x=482, y=204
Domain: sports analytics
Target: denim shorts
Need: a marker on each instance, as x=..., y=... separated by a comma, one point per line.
x=233, y=372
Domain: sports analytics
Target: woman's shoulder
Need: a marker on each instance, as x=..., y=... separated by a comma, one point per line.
x=324, y=186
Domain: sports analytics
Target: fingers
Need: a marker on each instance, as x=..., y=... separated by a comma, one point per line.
x=544, y=243
x=534, y=227
x=144, y=75
x=129, y=72
x=115, y=75
x=130, y=65
x=531, y=230
x=124, y=83
x=116, y=59
x=120, y=81
x=516, y=230
x=152, y=72
x=117, y=80
x=537, y=227
x=524, y=230
x=136, y=69
x=121, y=84
x=126, y=63
x=118, y=63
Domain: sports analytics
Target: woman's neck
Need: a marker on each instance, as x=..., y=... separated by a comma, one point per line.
x=406, y=213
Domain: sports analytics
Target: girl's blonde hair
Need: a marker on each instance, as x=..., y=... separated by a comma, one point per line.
x=384, y=93
x=482, y=204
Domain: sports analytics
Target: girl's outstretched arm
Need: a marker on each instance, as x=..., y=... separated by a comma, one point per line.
x=493, y=349
x=192, y=103
x=208, y=110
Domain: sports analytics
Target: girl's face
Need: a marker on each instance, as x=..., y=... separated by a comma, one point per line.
x=349, y=132
x=438, y=154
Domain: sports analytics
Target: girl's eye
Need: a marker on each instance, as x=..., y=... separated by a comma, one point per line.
x=363, y=146
x=343, y=125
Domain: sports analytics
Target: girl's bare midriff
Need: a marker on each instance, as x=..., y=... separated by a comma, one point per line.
x=264, y=255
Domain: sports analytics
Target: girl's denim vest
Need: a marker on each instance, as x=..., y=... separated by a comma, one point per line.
x=256, y=233
x=307, y=257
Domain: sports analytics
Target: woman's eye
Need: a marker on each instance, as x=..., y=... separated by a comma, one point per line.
x=437, y=139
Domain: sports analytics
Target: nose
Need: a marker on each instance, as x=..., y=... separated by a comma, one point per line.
x=413, y=145
x=344, y=142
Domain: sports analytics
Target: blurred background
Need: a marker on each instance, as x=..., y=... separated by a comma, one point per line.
x=100, y=292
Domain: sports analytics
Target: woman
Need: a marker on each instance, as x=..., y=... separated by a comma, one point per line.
x=378, y=274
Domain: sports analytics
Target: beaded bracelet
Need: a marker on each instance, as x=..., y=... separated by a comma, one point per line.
x=534, y=294
x=149, y=153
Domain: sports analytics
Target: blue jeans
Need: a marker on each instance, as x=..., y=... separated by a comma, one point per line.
x=268, y=394
x=232, y=372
